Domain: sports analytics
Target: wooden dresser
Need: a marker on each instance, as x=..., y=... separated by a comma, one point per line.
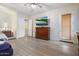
x=8, y=33
x=42, y=33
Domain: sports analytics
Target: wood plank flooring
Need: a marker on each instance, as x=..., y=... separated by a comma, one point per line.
x=28, y=46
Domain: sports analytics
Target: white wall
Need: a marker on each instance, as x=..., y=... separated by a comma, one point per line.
x=55, y=21
x=9, y=16
x=3, y=17
x=14, y=19
x=20, y=30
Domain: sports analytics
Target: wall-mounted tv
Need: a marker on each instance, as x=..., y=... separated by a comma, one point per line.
x=42, y=21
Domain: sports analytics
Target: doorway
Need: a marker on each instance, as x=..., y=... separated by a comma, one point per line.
x=66, y=27
x=26, y=27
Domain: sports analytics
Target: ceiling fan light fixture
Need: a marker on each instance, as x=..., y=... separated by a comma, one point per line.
x=33, y=5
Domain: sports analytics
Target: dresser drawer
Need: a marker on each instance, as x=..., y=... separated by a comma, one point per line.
x=42, y=33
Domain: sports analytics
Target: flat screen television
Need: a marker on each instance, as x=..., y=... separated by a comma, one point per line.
x=42, y=21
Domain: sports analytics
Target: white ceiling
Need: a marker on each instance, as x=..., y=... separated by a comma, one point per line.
x=30, y=11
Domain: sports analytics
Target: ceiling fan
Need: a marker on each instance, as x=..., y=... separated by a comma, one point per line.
x=33, y=5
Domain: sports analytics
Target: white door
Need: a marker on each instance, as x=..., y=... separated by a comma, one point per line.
x=26, y=27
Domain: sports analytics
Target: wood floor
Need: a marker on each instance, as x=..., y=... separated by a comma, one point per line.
x=28, y=46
